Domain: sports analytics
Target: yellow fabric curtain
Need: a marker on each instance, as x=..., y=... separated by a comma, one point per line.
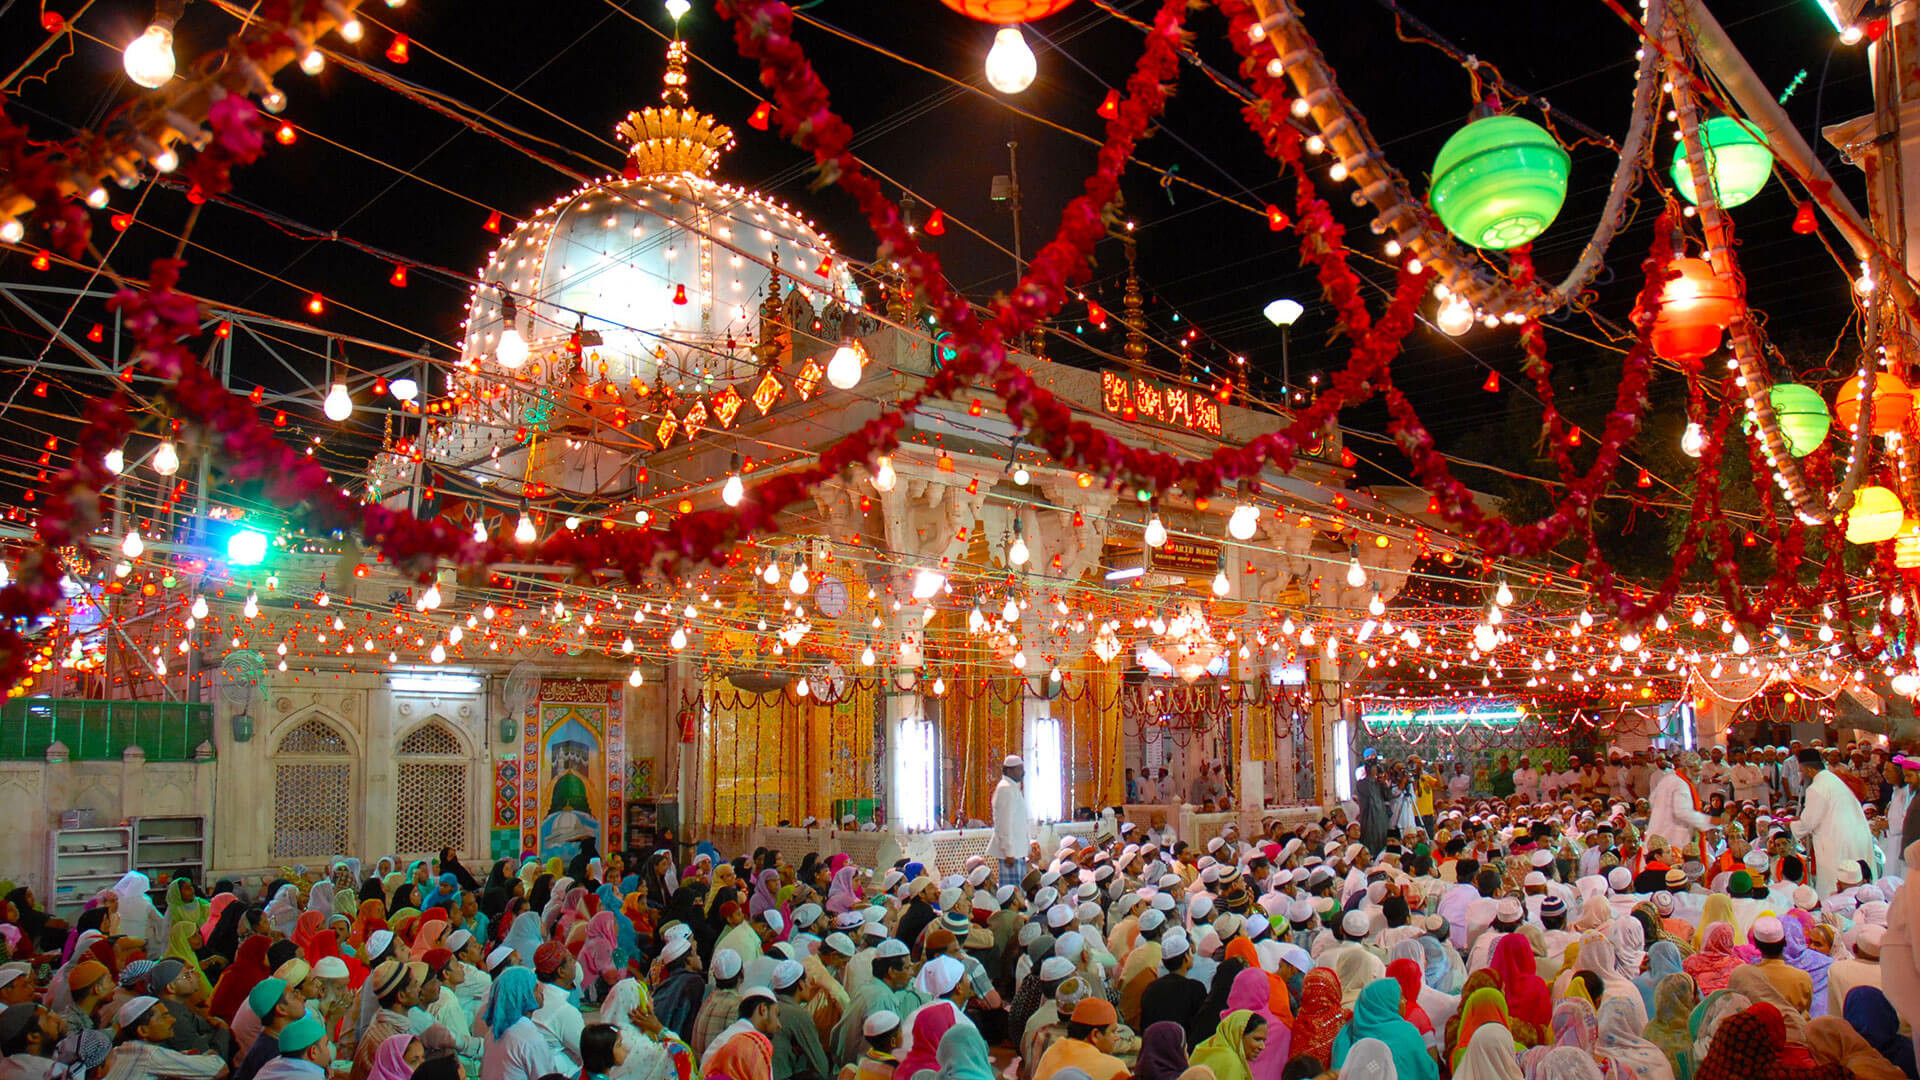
x=783, y=757
x=1089, y=713
x=982, y=722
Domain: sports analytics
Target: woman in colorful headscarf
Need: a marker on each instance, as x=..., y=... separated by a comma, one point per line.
x=371, y=916
x=1752, y=1045
x=184, y=905
x=1629, y=1056
x=1869, y=1012
x=1575, y=1024
x=1240, y=1036
x=180, y=946
x=1663, y=959
x=1407, y=974
x=1708, y=1016
x=1484, y=1006
x=765, y=893
x=248, y=968
x=1526, y=994
x=1489, y=1055
x=1597, y=956
x=524, y=937
x=1318, y=1020
x=1629, y=942
x=445, y=891
x=1673, y=1003
x=654, y=1052
x=1714, y=963
x=1251, y=993
x=309, y=925
x=1811, y=961
x=841, y=895
x=1446, y=972
x=929, y=1026
x=283, y=911
x=597, y=953
x=1718, y=909
x=1376, y=1015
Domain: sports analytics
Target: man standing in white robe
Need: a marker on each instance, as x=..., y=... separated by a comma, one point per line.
x=1012, y=826
x=1674, y=812
x=1832, y=818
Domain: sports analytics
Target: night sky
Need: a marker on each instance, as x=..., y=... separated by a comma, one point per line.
x=589, y=61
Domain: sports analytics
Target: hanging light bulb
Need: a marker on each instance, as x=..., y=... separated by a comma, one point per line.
x=403, y=389
x=1356, y=575
x=1376, y=607
x=1455, y=317
x=636, y=678
x=438, y=654
x=1010, y=63
x=133, y=546
x=313, y=62
x=771, y=575
x=480, y=532
x=928, y=583
x=148, y=58
x=430, y=600
x=1740, y=644
x=883, y=475
x=339, y=403
x=733, y=490
x=1244, y=522
x=1021, y=476
x=1486, y=638
x=1019, y=660
x=1156, y=531
x=1017, y=554
x=843, y=371
x=679, y=638
x=512, y=351
x=1221, y=586
x=866, y=656
x=252, y=606
x=524, y=532
x=1693, y=441
x=802, y=688
x=1503, y=595
x=115, y=460
x=797, y=584
x=166, y=460
x=199, y=607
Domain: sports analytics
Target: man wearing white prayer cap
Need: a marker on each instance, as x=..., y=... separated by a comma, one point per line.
x=1796, y=986
x=1012, y=824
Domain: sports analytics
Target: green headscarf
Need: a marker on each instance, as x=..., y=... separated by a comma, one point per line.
x=962, y=1055
x=1223, y=1051
x=181, y=910
x=1376, y=1015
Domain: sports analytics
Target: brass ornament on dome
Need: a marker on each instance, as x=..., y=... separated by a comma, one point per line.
x=674, y=137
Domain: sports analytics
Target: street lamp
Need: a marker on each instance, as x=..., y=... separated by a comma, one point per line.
x=1282, y=314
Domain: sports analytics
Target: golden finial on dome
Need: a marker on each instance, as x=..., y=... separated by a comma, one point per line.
x=674, y=138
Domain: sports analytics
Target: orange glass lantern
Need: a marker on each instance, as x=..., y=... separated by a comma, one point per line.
x=1007, y=11
x=1694, y=309
x=1892, y=402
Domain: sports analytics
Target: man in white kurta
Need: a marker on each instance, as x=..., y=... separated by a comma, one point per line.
x=1012, y=827
x=1674, y=809
x=1832, y=818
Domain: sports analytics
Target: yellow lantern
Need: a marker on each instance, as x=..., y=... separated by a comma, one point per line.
x=1876, y=516
x=1906, y=546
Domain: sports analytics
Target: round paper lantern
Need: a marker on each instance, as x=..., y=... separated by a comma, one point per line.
x=1694, y=308
x=1876, y=516
x=1499, y=182
x=1892, y=402
x=1802, y=414
x=1906, y=546
x=1737, y=159
x=1007, y=11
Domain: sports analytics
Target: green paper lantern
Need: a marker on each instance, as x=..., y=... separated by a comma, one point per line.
x=1499, y=182
x=1736, y=156
x=1802, y=415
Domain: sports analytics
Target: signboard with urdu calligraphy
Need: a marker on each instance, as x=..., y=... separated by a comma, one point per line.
x=1134, y=397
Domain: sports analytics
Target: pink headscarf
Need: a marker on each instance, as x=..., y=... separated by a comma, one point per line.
x=764, y=897
x=214, y=907
x=603, y=937
x=390, y=1061
x=930, y=1025
x=1251, y=991
x=841, y=894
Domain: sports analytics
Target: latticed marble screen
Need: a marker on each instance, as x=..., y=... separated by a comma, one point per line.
x=432, y=740
x=430, y=810
x=314, y=737
x=312, y=807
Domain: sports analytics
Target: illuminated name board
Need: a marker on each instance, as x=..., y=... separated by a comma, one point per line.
x=1501, y=716
x=1132, y=397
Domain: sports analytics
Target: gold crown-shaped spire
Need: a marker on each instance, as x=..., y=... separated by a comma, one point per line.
x=674, y=138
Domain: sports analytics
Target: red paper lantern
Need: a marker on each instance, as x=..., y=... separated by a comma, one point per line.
x=1694, y=309
x=1007, y=11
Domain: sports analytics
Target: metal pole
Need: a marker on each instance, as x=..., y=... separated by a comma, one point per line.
x=1013, y=197
x=1286, y=362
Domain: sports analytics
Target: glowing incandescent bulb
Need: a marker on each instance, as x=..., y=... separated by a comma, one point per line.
x=149, y=57
x=1454, y=318
x=339, y=403
x=797, y=584
x=1356, y=574
x=1221, y=586
x=1244, y=522
x=1693, y=441
x=1010, y=63
x=636, y=678
x=1010, y=613
x=1156, y=532
x=843, y=371
x=733, y=490
x=679, y=638
x=1017, y=554
x=199, y=608
x=524, y=532
x=883, y=475
x=114, y=460
x=866, y=656
x=166, y=460
x=771, y=575
x=1503, y=595
x=133, y=546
